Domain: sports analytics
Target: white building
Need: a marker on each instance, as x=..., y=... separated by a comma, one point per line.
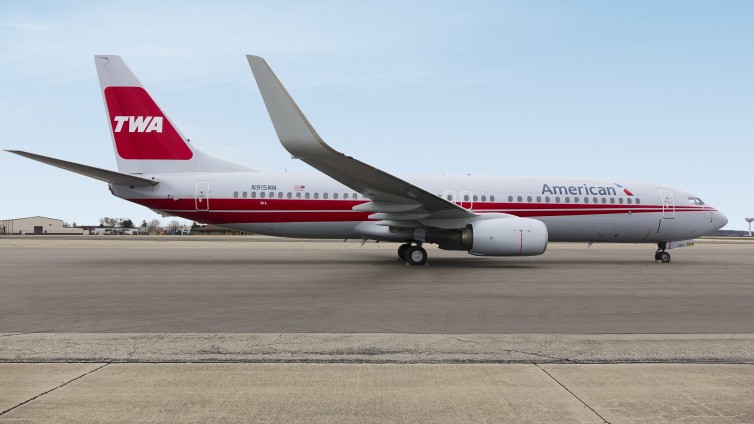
x=102, y=231
x=36, y=225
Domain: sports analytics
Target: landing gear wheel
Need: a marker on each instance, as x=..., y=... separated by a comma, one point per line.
x=661, y=254
x=402, y=251
x=416, y=255
x=665, y=257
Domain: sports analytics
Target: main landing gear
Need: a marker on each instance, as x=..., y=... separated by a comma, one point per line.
x=413, y=255
x=661, y=254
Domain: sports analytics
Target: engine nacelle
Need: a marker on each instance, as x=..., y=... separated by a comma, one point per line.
x=506, y=237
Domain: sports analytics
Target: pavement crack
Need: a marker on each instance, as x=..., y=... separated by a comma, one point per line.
x=524, y=352
x=541, y=355
x=53, y=389
x=17, y=334
x=572, y=393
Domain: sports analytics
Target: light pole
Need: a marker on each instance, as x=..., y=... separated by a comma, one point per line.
x=749, y=221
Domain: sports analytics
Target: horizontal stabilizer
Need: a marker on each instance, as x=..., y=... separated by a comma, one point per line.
x=90, y=171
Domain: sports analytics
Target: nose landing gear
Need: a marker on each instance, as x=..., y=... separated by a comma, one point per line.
x=413, y=255
x=661, y=254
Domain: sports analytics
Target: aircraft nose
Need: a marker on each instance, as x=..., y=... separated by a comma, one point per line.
x=720, y=219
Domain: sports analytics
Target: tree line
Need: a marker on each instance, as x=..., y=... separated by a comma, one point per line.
x=150, y=226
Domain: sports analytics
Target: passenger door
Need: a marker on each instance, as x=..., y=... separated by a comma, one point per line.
x=668, y=204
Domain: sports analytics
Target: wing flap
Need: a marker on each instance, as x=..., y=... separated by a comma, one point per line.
x=386, y=207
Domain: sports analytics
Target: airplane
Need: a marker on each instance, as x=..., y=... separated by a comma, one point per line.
x=483, y=215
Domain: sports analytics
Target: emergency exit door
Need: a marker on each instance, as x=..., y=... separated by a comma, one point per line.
x=202, y=196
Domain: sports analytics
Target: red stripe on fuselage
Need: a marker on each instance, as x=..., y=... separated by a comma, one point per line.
x=230, y=211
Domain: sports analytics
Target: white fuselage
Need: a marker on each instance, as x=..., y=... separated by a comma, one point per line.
x=314, y=205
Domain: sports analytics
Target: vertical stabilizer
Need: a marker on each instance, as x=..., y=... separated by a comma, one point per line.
x=144, y=137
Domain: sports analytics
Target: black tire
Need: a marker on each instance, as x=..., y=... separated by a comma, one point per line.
x=402, y=251
x=416, y=255
x=657, y=256
x=665, y=257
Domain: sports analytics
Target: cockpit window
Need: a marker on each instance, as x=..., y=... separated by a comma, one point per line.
x=696, y=201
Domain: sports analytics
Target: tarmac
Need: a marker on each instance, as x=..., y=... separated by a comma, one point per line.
x=228, y=329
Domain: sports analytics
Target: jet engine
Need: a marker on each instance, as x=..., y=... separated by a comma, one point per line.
x=505, y=237
x=509, y=236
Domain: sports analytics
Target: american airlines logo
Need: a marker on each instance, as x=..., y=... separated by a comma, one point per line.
x=140, y=124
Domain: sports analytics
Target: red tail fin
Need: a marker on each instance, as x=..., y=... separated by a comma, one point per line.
x=140, y=129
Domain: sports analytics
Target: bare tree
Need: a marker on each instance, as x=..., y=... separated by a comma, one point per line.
x=154, y=225
x=108, y=222
x=174, y=225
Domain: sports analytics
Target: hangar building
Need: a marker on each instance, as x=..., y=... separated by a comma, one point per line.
x=36, y=225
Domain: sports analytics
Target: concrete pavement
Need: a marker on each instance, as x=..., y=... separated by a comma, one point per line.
x=263, y=330
x=379, y=393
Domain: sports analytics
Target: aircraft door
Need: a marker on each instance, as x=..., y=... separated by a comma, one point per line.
x=202, y=196
x=668, y=204
x=466, y=200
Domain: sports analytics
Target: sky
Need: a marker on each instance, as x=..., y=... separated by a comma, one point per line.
x=657, y=91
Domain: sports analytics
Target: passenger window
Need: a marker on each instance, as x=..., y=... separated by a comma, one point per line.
x=306, y=195
x=547, y=199
x=272, y=195
x=475, y=198
x=324, y=195
x=510, y=198
x=243, y=194
x=638, y=201
x=604, y=200
x=528, y=199
x=345, y=195
x=539, y=199
x=594, y=200
x=465, y=197
x=557, y=199
x=316, y=195
x=235, y=194
x=620, y=200
x=335, y=195
x=280, y=195
x=520, y=199
x=492, y=198
x=253, y=194
x=261, y=194
x=612, y=200
x=298, y=195
x=289, y=195
x=450, y=197
x=629, y=201
x=575, y=200
x=568, y=199
x=484, y=198
x=586, y=200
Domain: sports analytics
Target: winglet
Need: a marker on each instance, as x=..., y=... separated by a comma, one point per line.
x=295, y=132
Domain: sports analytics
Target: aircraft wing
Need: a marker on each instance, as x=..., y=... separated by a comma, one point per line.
x=394, y=201
x=90, y=171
